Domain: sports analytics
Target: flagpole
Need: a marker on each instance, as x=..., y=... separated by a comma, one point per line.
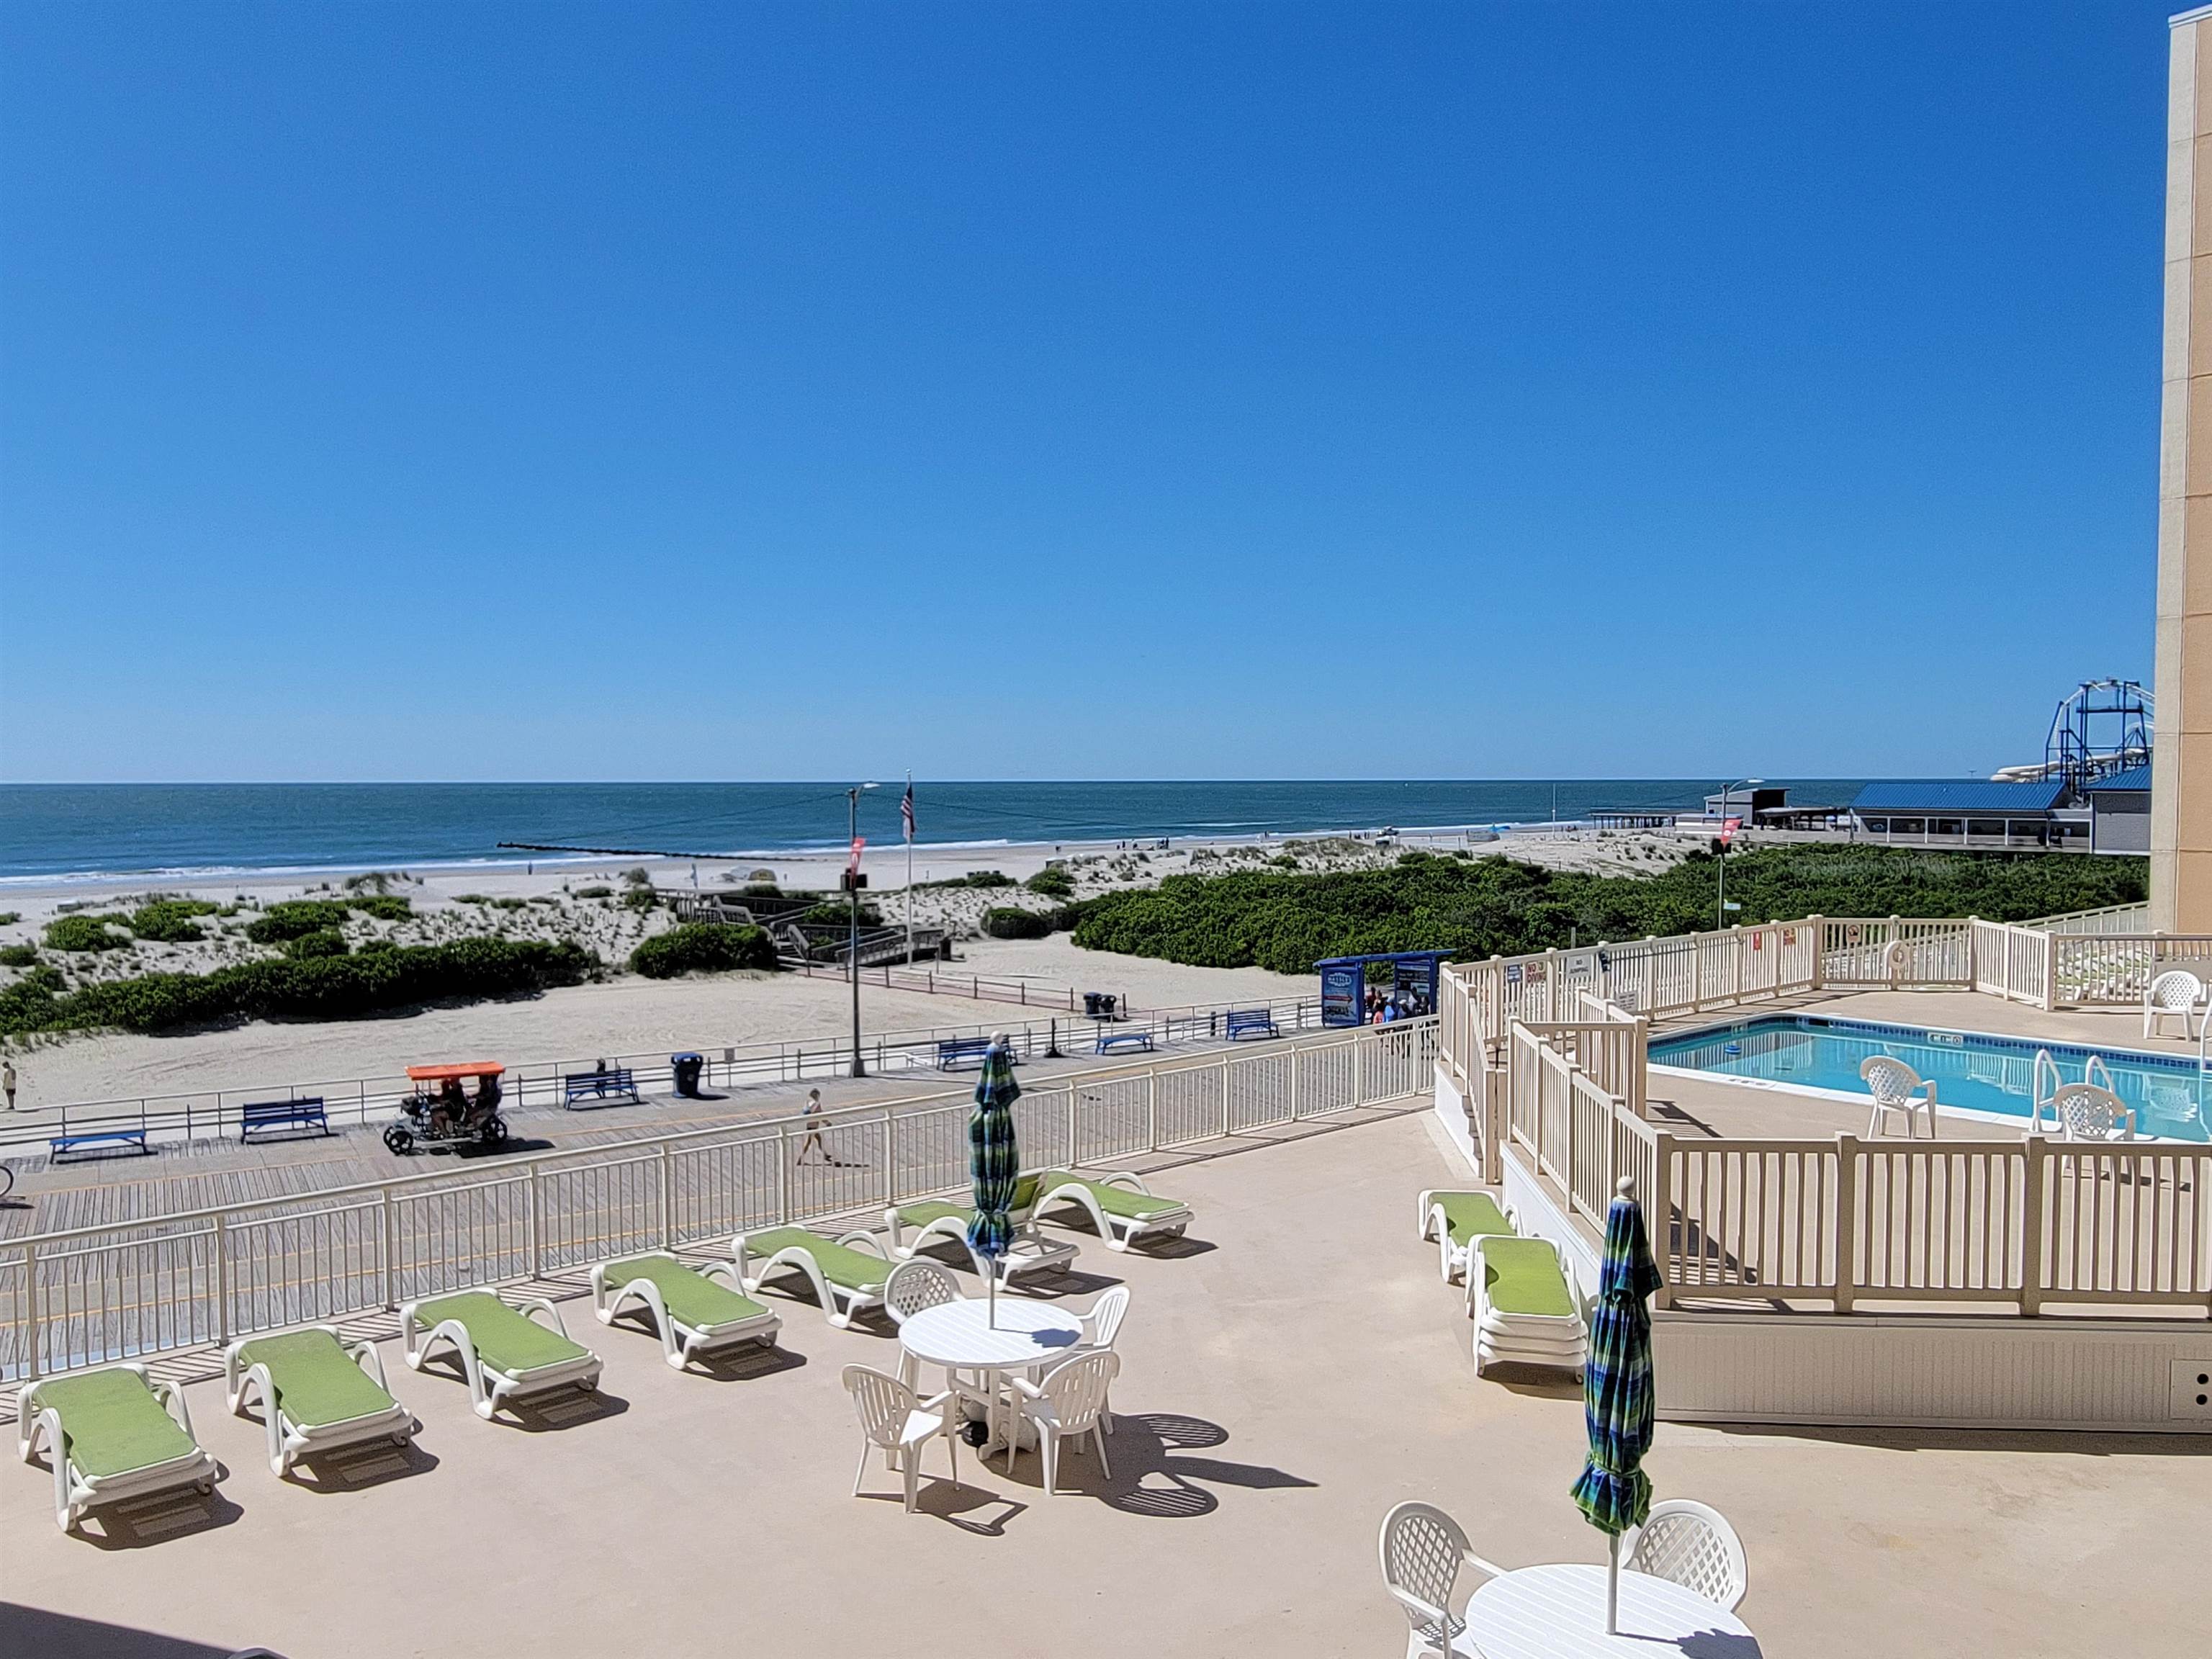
x=909, y=869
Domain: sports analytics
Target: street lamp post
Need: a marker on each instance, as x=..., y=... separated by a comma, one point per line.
x=853, y=942
x=1719, y=903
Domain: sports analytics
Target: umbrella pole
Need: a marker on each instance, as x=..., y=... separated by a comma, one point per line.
x=1613, y=1585
x=991, y=1275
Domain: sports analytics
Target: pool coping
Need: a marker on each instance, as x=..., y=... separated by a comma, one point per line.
x=1943, y=1108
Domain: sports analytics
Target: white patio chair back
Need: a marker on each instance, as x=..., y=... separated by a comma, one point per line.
x=918, y=1284
x=1103, y=1322
x=883, y=1403
x=1076, y=1389
x=2175, y=994
x=1691, y=1545
x=2087, y=1112
x=1894, y=1086
x=1421, y=1548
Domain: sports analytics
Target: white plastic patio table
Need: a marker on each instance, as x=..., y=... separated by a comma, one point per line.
x=1559, y=1613
x=960, y=1336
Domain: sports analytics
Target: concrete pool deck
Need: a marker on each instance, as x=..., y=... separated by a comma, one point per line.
x=1290, y=1374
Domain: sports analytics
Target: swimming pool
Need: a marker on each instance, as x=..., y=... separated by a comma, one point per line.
x=1973, y=1071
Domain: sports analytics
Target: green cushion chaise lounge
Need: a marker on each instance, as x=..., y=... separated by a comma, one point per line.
x=1521, y=1292
x=847, y=1272
x=691, y=1308
x=506, y=1352
x=111, y=1435
x=1030, y=1252
x=1455, y=1219
x=1120, y=1206
x=319, y=1392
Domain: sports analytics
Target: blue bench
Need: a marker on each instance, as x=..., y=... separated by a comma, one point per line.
x=62, y=1144
x=953, y=1051
x=613, y=1083
x=257, y=1116
x=1109, y=1041
x=1250, y=1022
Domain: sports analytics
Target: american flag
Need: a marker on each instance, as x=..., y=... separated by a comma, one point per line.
x=906, y=809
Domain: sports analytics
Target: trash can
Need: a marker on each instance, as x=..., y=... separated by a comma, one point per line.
x=1091, y=1004
x=687, y=1068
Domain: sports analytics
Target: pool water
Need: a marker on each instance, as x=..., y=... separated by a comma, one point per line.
x=1973, y=1071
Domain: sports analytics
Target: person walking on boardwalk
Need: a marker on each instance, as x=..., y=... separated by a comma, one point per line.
x=813, y=1141
x=7, y=1081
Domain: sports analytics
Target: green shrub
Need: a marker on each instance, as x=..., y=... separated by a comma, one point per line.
x=19, y=956
x=1064, y=918
x=384, y=907
x=325, y=942
x=1498, y=906
x=171, y=922
x=595, y=892
x=508, y=904
x=642, y=899
x=701, y=947
x=1004, y=921
x=335, y=988
x=838, y=913
x=640, y=876
x=760, y=889
x=374, y=880
x=1052, y=882
x=472, y=898
x=294, y=917
x=375, y=946
x=984, y=879
x=9, y=918
x=84, y=933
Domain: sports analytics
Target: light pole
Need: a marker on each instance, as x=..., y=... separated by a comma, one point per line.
x=853, y=891
x=1720, y=904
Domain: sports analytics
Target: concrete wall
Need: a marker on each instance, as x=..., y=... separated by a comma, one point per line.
x=2181, y=777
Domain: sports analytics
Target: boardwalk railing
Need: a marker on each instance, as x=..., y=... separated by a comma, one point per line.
x=2017, y=1224
x=213, y=1112
x=93, y=1295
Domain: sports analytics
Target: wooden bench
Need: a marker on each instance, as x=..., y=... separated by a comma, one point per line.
x=1109, y=1041
x=614, y=1083
x=257, y=1116
x=1241, y=1022
x=62, y=1144
x=952, y=1051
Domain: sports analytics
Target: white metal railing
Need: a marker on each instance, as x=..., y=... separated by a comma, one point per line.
x=2114, y=969
x=2111, y=919
x=210, y=1112
x=93, y=1295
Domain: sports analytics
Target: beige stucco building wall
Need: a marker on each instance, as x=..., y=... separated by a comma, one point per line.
x=2181, y=778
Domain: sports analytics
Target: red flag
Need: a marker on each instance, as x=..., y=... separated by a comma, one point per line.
x=853, y=864
x=1728, y=827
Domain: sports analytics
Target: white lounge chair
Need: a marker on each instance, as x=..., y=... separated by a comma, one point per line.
x=1066, y=1404
x=1423, y=1550
x=111, y=1435
x=1898, y=1090
x=847, y=1272
x=687, y=1308
x=318, y=1392
x=899, y=1423
x=1455, y=1219
x=1121, y=1206
x=1521, y=1292
x=1690, y=1544
x=506, y=1353
x=2174, y=995
x=912, y=1226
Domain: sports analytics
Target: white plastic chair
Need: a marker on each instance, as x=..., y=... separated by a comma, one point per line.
x=2045, y=1088
x=1897, y=1088
x=897, y=1422
x=2174, y=995
x=1100, y=1327
x=1069, y=1403
x=2088, y=1112
x=1422, y=1550
x=915, y=1285
x=1691, y=1545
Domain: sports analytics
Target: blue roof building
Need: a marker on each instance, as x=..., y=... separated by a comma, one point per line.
x=1969, y=812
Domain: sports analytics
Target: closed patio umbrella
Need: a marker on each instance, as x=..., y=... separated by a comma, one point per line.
x=993, y=1162
x=1614, y=1492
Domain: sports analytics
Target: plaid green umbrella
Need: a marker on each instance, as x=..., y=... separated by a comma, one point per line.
x=993, y=1161
x=1614, y=1492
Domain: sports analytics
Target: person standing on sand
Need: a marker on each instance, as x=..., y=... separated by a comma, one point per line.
x=7, y=1081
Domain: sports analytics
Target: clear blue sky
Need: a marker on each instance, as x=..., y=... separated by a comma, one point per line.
x=1066, y=390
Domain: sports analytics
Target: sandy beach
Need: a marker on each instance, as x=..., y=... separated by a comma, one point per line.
x=628, y=1015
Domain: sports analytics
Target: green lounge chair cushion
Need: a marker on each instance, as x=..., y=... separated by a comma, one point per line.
x=506, y=1339
x=1524, y=1277
x=694, y=1299
x=112, y=1424
x=921, y=1215
x=1120, y=1200
x=1471, y=1215
x=841, y=1265
x=316, y=1380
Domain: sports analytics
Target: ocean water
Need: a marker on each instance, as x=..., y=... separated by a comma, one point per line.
x=50, y=831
